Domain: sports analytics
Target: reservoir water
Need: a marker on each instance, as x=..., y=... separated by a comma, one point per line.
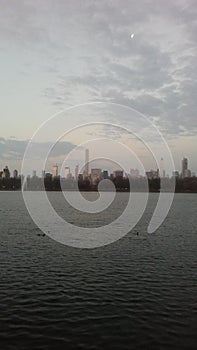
x=137, y=293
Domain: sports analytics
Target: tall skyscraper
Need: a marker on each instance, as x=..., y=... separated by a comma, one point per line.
x=55, y=171
x=76, y=172
x=184, y=167
x=161, y=168
x=86, y=170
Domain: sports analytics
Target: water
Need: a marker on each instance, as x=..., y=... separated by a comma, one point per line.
x=138, y=293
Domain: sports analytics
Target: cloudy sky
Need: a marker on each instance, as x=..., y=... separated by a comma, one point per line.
x=59, y=53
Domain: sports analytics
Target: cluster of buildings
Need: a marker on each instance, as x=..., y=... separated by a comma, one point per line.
x=185, y=171
x=5, y=173
x=160, y=173
x=94, y=175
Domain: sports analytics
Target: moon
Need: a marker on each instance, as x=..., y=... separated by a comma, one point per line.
x=132, y=36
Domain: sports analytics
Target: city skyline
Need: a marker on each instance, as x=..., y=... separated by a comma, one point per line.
x=143, y=59
x=87, y=171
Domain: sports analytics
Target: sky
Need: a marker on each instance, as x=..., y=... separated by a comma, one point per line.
x=58, y=54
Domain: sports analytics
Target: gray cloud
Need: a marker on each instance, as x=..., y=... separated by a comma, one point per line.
x=91, y=56
x=154, y=73
x=14, y=149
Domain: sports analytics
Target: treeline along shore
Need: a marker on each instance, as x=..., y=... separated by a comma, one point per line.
x=182, y=185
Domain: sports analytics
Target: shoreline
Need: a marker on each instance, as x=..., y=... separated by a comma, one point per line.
x=95, y=190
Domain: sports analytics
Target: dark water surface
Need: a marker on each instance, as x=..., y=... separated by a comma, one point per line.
x=138, y=293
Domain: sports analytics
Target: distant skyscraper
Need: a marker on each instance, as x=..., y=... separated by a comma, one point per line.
x=161, y=168
x=86, y=170
x=55, y=171
x=76, y=172
x=105, y=174
x=67, y=172
x=6, y=172
x=118, y=173
x=184, y=167
x=34, y=173
x=15, y=173
x=175, y=174
x=95, y=175
x=187, y=173
x=152, y=174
